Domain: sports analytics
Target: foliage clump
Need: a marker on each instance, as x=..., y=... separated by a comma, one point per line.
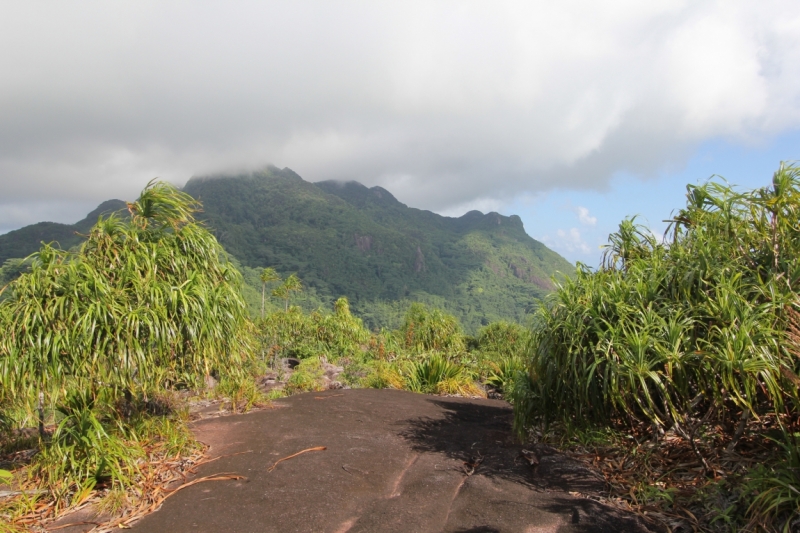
x=428, y=353
x=678, y=336
x=144, y=302
x=93, y=339
x=431, y=330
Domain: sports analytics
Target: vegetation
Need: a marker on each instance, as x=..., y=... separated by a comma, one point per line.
x=143, y=303
x=94, y=341
x=429, y=353
x=343, y=239
x=692, y=340
x=98, y=342
x=676, y=362
x=348, y=240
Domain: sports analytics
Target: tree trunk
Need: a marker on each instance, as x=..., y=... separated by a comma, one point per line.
x=41, y=414
x=263, y=288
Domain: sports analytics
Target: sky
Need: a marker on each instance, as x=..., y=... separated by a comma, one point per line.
x=571, y=114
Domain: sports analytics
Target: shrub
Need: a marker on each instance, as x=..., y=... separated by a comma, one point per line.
x=383, y=375
x=504, y=372
x=435, y=374
x=426, y=330
x=503, y=340
x=307, y=377
x=143, y=300
x=147, y=304
x=84, y=452
x=698, y=331
x=690, y=329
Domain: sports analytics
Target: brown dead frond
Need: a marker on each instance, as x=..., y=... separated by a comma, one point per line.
x=314, y=449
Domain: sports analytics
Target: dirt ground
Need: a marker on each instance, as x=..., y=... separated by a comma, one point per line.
x=394, y=461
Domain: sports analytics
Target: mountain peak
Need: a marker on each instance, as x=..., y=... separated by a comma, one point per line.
x=346, y=239
x=268, y=172
x=106, y=208
x=358, y=194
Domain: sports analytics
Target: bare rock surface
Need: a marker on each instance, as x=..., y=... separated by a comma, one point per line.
x=394, y=461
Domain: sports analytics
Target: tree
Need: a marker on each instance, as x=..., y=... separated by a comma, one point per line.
x=290, y=285
x=267, y=275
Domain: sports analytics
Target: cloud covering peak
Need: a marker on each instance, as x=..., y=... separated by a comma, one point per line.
x=447, y=104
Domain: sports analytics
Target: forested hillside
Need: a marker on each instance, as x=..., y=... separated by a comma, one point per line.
x=344, y=239
x=347, y=239
x=25, y=241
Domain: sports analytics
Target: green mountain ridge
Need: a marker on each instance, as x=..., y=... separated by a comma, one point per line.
x=27, y=240
x=343, y=238
x=346, y=239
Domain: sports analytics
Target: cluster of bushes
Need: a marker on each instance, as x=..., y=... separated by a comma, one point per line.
x=429, y=353
x=100, y=347
x=696, y=336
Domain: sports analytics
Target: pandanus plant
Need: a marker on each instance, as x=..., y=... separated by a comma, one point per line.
x=144, y=302
x=683, y=332
x=426, y=329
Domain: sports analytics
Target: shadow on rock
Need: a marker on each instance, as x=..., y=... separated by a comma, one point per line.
x=559, y=472
x=588, y=516
x=472, y=433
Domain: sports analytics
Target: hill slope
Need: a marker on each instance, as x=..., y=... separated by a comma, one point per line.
x=347, y=239
x=25, y=241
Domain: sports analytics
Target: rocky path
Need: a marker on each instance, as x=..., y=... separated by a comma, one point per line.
x=394, y=461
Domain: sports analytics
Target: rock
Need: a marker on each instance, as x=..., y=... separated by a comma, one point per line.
x=270, y=381
x=331, y=371
x=531, y=457
x=290, y=362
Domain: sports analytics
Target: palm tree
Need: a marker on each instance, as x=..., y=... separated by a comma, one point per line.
x=267, y=275
x=292, y=284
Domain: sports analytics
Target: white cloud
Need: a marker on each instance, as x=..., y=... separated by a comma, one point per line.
x=567, y=241
x=484, y=205
x=585, y=217
x=446, y=104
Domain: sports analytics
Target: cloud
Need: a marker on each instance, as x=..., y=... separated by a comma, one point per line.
x=585, y=217
x=445, y=104
x=569, y=242
x=484, y=205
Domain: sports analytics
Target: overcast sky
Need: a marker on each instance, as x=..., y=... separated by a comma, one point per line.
x=571, y=114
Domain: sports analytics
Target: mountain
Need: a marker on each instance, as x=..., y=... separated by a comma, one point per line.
x=342, y=238
x=347, y=239
x=25, y=241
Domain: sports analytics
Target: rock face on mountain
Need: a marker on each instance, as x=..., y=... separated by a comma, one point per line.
x=343, y=238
